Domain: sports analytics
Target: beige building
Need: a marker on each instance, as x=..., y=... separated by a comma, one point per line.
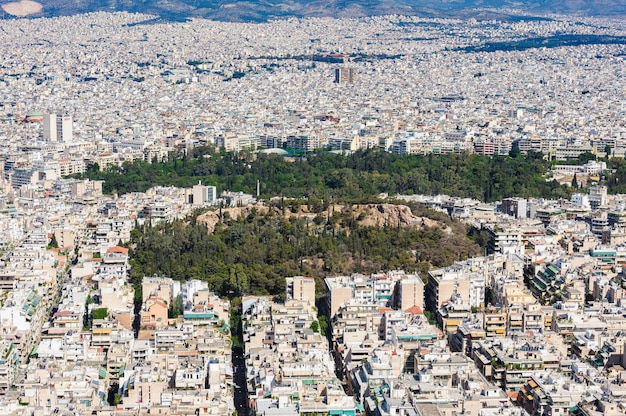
x=154, y=313
x=337, y=296
x=443, y=284
x=301, y=288
x=66, y=238
x=410, y=292
x=161, y=287
x=515, y=294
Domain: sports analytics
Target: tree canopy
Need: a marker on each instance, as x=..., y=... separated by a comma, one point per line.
x=255, y=253
x=356, y=177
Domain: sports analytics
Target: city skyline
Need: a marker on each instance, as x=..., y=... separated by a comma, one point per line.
x=257, y=11
x=331, y=296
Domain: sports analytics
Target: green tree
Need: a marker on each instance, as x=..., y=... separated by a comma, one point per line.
x=323, y=321
x=99, y=313
x=253, y=254
x=315, y=326
x=586, y=157
x=53, y=242
x=358, y=177
x=515, y=152
x=175, y=308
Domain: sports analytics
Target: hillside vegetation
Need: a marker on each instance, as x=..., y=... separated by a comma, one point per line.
x=253, y=253
x=357, y=178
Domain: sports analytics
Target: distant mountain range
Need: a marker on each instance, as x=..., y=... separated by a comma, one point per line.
x=263, y=10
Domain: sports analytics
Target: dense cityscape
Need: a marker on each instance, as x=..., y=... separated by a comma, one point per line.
x=525, y=317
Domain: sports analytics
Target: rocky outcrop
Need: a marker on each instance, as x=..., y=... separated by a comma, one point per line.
x=377, y=215
x=390, y=215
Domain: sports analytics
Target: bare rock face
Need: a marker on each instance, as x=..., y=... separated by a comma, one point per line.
x=211, y=218
x=390, y=215
x=374, y=215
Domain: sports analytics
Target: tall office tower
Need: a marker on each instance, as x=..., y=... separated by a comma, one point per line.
x=57, y=128
x=345, y=75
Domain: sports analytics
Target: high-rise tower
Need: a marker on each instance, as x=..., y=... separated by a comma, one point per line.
x=57, y=128
x=345, y=75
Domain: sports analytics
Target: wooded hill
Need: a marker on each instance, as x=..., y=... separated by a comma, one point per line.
x=255, y=252
x=322, y=222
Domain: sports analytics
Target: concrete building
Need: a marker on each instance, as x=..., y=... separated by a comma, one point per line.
x=515, y=207
x=454, y=282
x=301, y=288
x=597, y=196
x=409, y=292
x=202, y=194
x=345, y=75
x=57, y=128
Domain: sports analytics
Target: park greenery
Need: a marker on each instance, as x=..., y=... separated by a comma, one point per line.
x=616, y=180
x=357, y=177
x=253, y=254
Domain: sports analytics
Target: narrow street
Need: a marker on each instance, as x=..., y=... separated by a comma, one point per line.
x=239, y=378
